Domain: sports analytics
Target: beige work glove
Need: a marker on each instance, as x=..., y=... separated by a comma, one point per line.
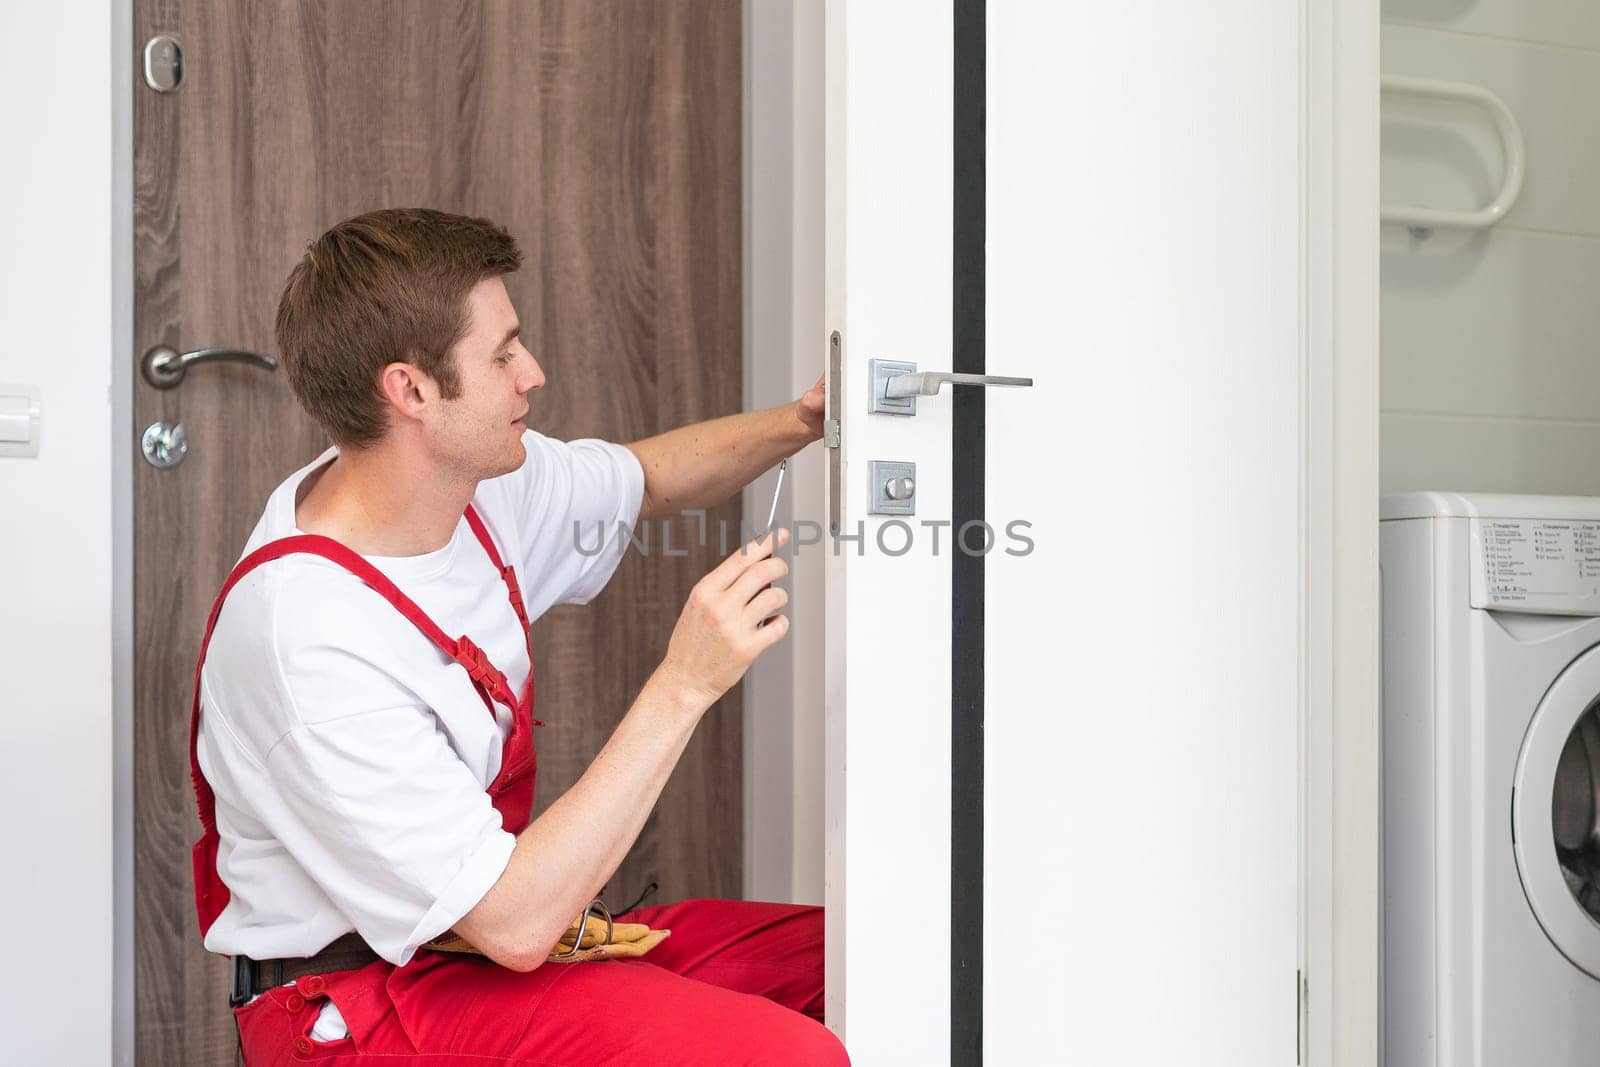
x=626, y=940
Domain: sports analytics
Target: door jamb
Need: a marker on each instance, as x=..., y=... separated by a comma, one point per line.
x=1341, y=816
x=122, y=844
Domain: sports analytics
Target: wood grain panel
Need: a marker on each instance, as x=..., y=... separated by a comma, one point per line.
x=606, y=137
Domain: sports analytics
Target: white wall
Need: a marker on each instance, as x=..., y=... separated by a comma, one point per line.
x=785, y=348
x=1489, y=375
x=56, y=304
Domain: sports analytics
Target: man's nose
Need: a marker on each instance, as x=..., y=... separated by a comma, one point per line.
x=532, y=378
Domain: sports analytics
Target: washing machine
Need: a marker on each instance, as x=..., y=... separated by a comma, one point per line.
x=1491, y=780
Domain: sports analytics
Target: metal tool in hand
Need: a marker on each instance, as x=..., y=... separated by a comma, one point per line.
x=772, y=514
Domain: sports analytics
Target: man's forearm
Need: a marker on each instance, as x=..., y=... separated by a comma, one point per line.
x=704, y=464
x=563, y=857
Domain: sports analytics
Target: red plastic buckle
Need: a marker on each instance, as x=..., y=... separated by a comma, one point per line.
x=514, y=593
x=479, y=669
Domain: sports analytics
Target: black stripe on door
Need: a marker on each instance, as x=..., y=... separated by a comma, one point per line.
x=966, y=604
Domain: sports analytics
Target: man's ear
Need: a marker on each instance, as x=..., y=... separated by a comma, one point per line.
x=407, y=389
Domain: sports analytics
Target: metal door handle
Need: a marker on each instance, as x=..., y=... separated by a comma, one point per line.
x=927, y=383
x=164, y=368
x=895, y=385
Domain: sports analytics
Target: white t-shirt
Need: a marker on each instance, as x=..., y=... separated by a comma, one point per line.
x=348, y=754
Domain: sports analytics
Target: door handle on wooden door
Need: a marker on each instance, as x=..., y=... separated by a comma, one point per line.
x=164, y=368
x=894, y=386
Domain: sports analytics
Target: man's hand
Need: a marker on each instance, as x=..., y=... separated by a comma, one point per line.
x=565, y=856
x=810, y=407
x=719, y=634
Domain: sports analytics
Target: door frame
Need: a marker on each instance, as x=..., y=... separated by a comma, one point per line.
x=1341, y=815
x=122, y=460
x=783, y=321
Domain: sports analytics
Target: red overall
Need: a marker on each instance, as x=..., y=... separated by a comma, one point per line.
x=737, y=982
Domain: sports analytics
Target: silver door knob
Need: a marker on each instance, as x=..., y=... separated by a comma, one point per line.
x=894, y=385
x=900, y=488
x=164, y=368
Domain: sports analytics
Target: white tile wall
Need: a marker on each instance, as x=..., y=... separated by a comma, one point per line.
x=1569, y=23
x=1492, y=455
x=1491, y=342
x=1504, y=324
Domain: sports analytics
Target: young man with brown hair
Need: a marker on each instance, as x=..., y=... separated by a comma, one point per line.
x=362, y=743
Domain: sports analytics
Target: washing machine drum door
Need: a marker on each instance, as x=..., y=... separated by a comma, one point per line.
x=1555, y=813
x=1573, y=808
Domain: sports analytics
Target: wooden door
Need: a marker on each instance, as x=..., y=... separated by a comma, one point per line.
x=606, y=137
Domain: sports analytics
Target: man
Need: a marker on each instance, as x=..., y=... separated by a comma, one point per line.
x=363, y=733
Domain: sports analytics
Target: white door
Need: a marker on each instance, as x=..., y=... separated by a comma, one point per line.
x=1089, y=734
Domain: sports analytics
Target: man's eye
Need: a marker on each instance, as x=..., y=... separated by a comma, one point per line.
x=502, y=360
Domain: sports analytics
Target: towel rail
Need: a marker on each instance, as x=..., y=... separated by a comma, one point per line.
x=1510, y=140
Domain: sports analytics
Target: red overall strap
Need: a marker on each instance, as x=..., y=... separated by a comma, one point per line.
x=510, y=576
x=513, y=590
x=211, y=895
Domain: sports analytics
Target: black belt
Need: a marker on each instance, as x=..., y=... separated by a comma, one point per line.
x=254, y=977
